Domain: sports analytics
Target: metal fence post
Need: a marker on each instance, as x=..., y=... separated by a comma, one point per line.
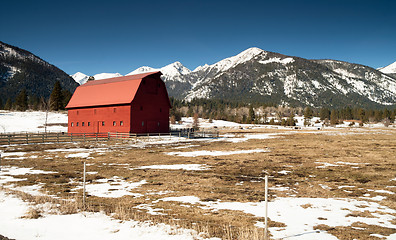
x=84, y=184
x=266, y=208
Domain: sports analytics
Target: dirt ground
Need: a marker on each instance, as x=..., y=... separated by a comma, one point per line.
x=314, y=164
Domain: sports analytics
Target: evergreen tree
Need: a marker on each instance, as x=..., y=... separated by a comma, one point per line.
x=290, y=120
x=1, y=104
x=8, y=105
x=21, y=101
x=324, y=113
x=66, y=94
x=333, y=117
x=308, y=113
x=56, y=98
x=252, y=115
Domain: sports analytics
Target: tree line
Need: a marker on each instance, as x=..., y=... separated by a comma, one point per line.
x=270, y=113
x=23, y=101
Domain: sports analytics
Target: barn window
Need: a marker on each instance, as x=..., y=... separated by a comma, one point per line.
x=114, y=110
x=72, y=124
x=103, y=123
x=89, y=124
x=95, y=111
x=76, y=124
x=121, y=123
x=82, y=124
x=114, y=123
x=142, y=123
x=141, y=108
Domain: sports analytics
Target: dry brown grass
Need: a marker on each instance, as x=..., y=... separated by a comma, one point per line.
x=372, y=155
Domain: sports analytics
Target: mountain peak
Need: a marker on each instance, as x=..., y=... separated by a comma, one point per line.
x=389, y=69
x=231, y=62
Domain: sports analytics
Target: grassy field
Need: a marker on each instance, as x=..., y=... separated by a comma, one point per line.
x=354, y=164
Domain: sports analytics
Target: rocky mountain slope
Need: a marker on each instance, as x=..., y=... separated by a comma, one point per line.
x=256, y=75
x=20, y=69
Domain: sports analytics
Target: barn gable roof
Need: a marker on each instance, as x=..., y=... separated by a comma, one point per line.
x=111, y=91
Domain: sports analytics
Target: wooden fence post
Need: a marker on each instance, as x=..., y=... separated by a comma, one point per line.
x=27, y=138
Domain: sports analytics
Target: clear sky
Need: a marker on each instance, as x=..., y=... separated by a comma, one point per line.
x=120, y=36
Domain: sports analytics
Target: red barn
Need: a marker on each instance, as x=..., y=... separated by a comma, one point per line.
x=130, y=104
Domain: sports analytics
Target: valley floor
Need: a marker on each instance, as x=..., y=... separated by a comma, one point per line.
x=324, y=184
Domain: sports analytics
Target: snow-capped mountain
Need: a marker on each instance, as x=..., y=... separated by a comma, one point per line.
x=80, y=77
x=257, y=75
x=390, y=69
x=263, y=76
x=20, y=69
x=106, y=75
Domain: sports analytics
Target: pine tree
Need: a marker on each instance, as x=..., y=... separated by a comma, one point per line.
x=308, y=113
x=334, y=117
x=1, y=103
x=66, y=94
x=8, y=104
x=324, y=113
x=252, y=115
x=56, y=97
x=21, y=101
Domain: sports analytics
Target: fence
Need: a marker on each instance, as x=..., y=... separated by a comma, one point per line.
x=28, y=138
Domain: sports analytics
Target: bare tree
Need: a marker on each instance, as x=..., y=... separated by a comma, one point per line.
x=47, y=106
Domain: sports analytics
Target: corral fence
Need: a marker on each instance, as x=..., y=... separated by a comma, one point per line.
x=59, y=137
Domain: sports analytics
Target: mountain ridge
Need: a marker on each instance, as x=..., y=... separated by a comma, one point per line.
x=264, y=76
x=21, y=69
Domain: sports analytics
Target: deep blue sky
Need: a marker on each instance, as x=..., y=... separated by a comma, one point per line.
x=120, y=36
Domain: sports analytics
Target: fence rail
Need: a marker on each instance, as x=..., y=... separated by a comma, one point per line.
x=30, y=138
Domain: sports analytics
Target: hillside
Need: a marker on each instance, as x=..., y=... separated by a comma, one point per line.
x=20, y=69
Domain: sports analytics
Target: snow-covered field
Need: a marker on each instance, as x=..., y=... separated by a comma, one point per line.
x=84, y=225
x=333, y=212
x=32, y=121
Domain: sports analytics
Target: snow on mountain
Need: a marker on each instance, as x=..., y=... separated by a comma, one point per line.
x=171, y=70
x=175, y=69
x=80, y=77
x=389, y=69
x=143, y=69
x=106, y=75
x=230, y=62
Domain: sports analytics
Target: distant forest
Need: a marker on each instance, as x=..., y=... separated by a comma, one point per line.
x=270, y=113
x=215, y=109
